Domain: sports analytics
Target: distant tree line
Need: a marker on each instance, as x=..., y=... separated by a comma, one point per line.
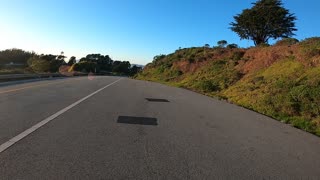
x=94, y=63
x=16, y=56
x=222, y=44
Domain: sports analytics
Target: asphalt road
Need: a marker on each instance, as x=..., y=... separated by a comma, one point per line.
x=116, y=133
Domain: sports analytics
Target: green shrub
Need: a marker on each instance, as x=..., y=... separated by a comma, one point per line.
x=173, y=73
x=191, y=58
x=238, y=55
x=313, y=41
x=257, y=80
x=287, y=42
x=207, y=86
x=311, y=47
x=232, y=46
x=302, y=123
x=263, y=45
x=222, y=43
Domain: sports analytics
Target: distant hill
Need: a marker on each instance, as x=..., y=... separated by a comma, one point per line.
x=281, y=81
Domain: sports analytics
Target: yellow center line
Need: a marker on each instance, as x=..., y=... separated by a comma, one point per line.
x=33, y=86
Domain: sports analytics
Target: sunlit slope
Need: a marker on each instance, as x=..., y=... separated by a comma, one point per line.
x=281, y=81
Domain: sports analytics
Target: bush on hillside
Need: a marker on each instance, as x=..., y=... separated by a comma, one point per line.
x=311, y=41
x=287, y=42
x=311, y=47
x=232, y=46
x=308, y=99
x=207, y=86
x=158, y=58
x=237, y=55
x=263, y=45
x=222, y=43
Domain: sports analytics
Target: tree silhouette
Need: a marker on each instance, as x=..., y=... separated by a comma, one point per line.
x=72, y=61
x=222, y=43
x=266, y=19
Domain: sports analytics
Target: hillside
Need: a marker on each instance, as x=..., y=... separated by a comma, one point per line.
x=281, y=81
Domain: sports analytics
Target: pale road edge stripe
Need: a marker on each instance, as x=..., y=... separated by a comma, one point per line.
x=25, y=133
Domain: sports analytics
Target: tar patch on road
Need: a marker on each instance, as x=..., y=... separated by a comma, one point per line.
x=137, y=120
x=157, y=100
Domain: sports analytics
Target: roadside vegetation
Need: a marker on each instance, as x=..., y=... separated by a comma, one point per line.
x=281, y=81
x=17, y=61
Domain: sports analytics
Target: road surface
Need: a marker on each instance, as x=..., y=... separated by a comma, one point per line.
x=106, y=128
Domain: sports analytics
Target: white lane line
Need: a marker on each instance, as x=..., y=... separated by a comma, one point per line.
x=25, y=133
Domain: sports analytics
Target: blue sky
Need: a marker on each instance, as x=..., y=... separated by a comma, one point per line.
x=134, y=30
